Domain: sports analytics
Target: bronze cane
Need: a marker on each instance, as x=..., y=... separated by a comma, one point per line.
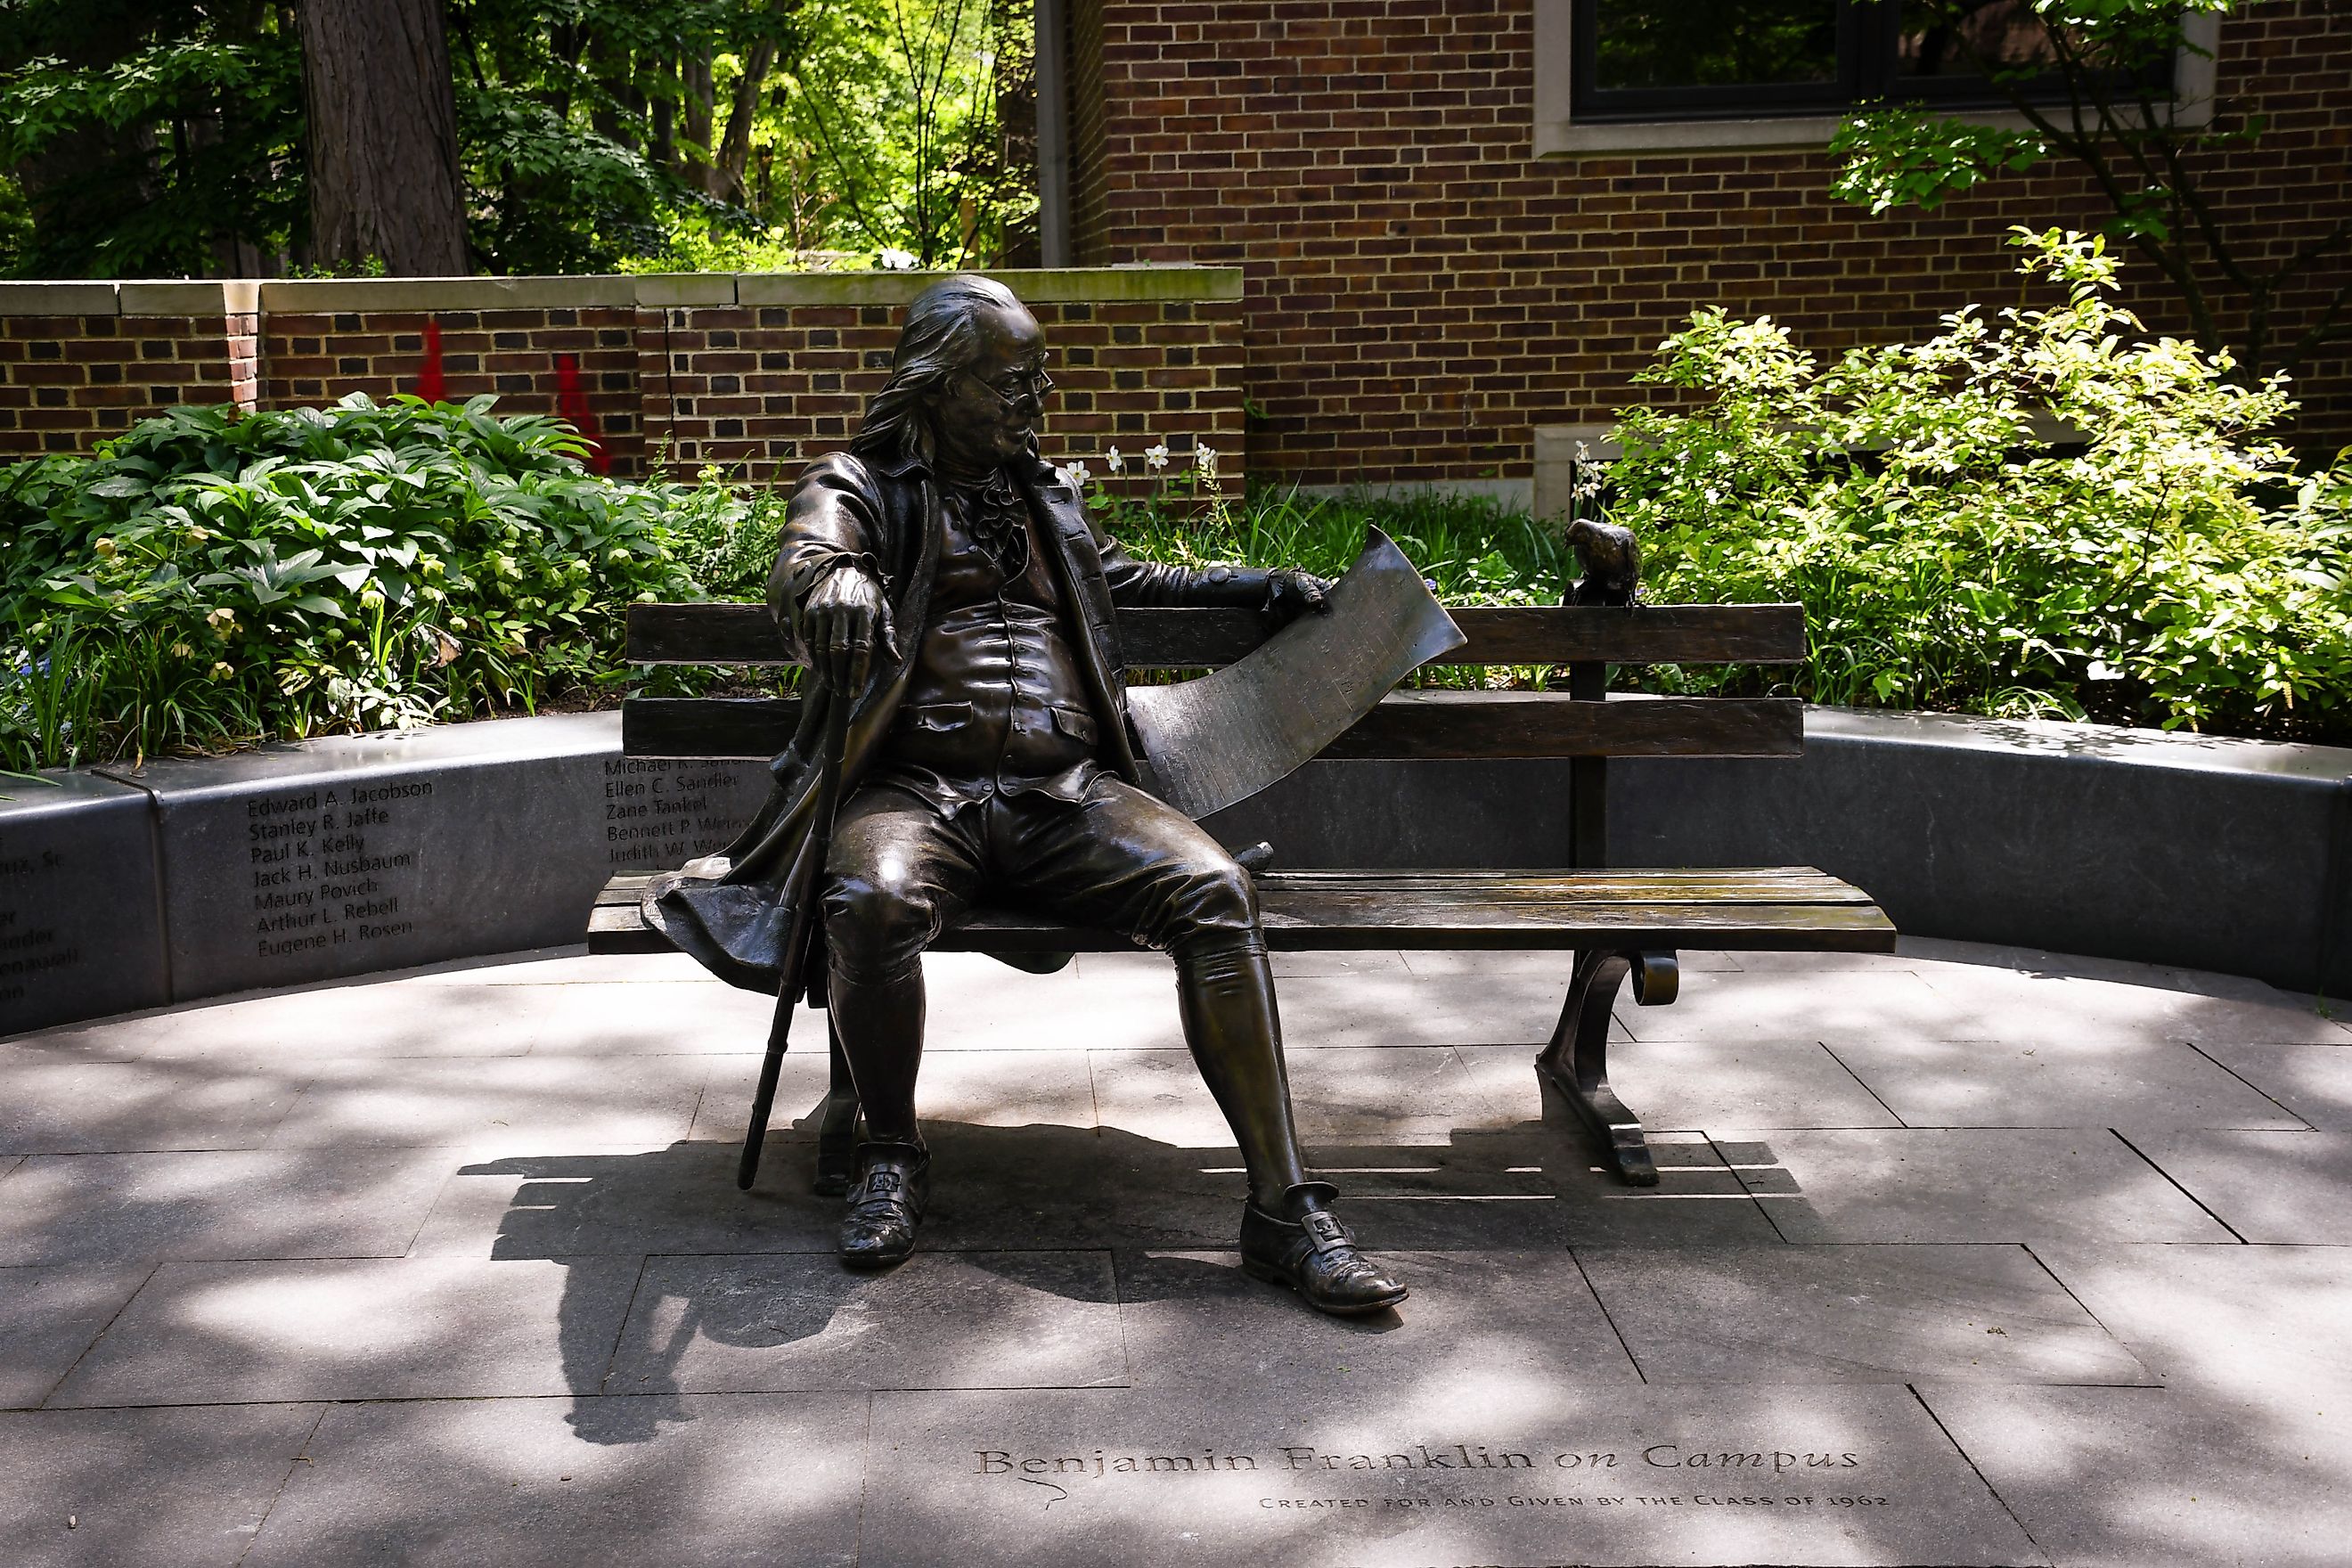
x=828, y=796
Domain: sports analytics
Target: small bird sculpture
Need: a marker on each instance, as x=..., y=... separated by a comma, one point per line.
x=1612, y=561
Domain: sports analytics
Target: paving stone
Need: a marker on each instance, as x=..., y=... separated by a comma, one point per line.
x=295, y=1027
x=1338, y=1095
x=555, y=1483
x=143, y=1489
x=802, y=1080
x=126, y=1037
x=1795, y=1005
x=1445, y=963
x=51, y=1105
x=978, y=1089
x=2127, y=1478
x=564, y=965
x=1106, y=1000
x=48, y=1317
x=2267, y=1187
x=940, y=1320
x=704, y=1018
x=2314, y=1082
x=1852, y=1314
x=1408, y=1009
x=1509, y=1320
x=2229, y=1318
x=629, y=1201
x=2027, y=1009
x=1694, y=1084
x=1913, y=1185
x=226, y=1204
x=527, y=1105
x=1334, y=1473
x=2057, y=1082
x=411, y=1328
x=1903, y=960
x=1336, y=965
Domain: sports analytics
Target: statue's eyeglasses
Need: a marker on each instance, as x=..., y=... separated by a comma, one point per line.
x=1021, y=386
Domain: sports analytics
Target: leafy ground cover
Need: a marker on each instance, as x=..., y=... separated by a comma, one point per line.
x=206, y=580
x=2035, y=512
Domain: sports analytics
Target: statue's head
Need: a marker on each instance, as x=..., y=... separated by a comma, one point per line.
x=968, y=381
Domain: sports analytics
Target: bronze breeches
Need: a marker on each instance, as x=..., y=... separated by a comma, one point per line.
x=898, y=872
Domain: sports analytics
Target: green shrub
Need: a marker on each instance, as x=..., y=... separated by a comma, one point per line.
x=207, y=579
x=2166, y=565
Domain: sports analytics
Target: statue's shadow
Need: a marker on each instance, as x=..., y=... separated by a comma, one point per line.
x=1018, y=1213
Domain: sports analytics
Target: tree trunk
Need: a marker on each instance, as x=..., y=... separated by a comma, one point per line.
x=695, y=163
x=735, y=147
x=384, y=177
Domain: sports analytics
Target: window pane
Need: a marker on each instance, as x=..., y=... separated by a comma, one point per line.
x=1714, y=43
x=1943, y=40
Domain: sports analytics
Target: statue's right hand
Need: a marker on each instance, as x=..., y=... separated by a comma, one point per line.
x=843, y=619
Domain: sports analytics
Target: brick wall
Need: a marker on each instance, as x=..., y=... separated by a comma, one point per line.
x=1137, y=356
x=81, y=360
x=757, y=373
x=1423, y=291
x=315, y=355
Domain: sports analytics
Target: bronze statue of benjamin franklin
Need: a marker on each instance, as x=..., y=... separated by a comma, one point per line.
x=952, y=586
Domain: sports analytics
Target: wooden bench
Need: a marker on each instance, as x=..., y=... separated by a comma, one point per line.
x=1615, y=922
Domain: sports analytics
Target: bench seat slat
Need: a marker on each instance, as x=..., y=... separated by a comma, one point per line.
x=1305, y=911
x=1208, y=640
x=1410, y=725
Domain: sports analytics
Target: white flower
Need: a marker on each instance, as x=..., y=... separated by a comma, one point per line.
x=895, y=260
x=1204, y=457
x=1157, y=457
x=1117, y=463
x=1583, y=453
x=1080, y=474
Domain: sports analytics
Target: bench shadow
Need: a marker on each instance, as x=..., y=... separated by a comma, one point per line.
x=1039, y=1209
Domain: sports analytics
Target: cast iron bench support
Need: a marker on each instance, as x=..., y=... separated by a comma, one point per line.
x=1608, y=924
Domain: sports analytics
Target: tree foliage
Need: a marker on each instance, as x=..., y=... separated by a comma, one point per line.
x=2150, y=156
x=167, y=137
x=2042, y=512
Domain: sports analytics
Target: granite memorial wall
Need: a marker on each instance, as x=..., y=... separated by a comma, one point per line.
x=190, y=878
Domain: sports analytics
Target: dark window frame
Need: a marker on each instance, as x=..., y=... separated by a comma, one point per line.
x=1867, y=31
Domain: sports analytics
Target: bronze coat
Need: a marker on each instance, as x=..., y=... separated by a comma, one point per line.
x=884, y=514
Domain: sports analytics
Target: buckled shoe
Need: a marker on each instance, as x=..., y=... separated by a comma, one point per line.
x=886, y=1204
x=1315, y=1254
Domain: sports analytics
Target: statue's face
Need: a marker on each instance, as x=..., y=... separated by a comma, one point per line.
x=989, y=410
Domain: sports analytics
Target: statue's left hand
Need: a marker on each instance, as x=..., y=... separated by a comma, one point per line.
x=1290, y=593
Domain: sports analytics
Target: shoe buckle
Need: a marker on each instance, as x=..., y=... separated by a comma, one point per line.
x=1324, y=1228
x=883, y=1184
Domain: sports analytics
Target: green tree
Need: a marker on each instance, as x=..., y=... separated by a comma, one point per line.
x=903, y=103
x=151, y=137
x=2114, y=115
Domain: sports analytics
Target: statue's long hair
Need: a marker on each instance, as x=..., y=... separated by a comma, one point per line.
x=941, y=338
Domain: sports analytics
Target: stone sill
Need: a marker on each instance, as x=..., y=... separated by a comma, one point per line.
x=308, y=296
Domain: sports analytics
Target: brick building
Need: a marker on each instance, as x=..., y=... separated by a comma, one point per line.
x=1442, y=254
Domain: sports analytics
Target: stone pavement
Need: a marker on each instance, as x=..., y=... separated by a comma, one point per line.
x=1960, y=1257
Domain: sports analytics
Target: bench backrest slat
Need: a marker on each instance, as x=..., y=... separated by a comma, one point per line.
x=1210, y=639
x=1418, y=725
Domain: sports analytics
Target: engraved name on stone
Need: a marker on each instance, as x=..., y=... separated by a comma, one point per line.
x=31, y=946
x=659, y=813
x=332, y=866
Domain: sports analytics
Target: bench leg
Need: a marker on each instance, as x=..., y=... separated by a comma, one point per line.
x=1573, y=1070
x=837, y=1137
